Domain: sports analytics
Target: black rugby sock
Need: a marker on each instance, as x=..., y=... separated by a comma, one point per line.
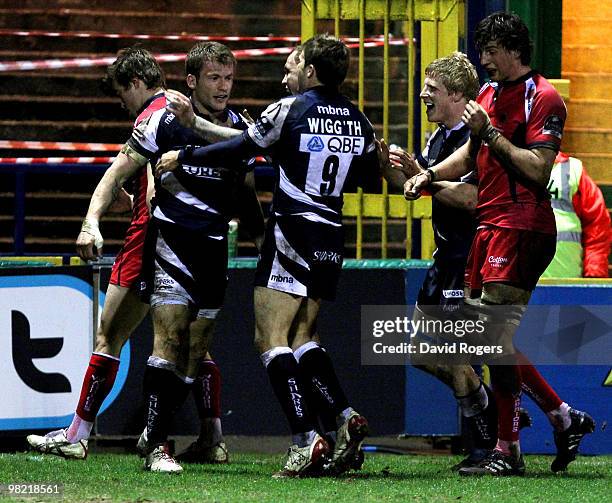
x=319, y=373
x=164, y=393
x=289, y=390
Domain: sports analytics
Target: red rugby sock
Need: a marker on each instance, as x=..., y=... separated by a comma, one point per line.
x=97, y=384
x=207, y=390
x=537, y=388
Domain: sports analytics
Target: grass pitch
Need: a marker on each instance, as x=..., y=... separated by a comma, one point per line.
x=119, y=477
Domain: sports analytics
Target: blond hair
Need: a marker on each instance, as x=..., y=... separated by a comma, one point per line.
x=456, y=73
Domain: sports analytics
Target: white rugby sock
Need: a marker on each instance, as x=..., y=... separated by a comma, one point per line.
x=78, y=430
x=304, y=439
x=560, y=417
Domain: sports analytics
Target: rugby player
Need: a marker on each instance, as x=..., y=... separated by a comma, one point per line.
x=188, y=236
x=210, y=93
x=516, y=127
x=320, y=143
x=450, y=82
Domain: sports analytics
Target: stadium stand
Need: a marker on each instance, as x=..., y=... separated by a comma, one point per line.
x=67, y=105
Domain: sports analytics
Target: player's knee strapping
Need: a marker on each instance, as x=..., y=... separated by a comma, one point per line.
x=501, y=323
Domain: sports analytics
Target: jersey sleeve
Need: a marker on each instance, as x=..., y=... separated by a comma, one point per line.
x=267, y=129
x=423, y=157
x=229, y=154
x=149, y=133
x=546, y=120
x=370, y=180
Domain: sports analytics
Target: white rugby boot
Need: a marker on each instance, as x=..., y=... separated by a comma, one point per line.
x=349, y=438
x=159, y=460
x=302, y=461
x=56, y=443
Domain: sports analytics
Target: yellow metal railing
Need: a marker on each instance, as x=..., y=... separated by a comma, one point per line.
x=362, y=206
x=442, y=26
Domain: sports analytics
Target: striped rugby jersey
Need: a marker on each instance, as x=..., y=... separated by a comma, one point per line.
x=196, y=197
x=321, y=145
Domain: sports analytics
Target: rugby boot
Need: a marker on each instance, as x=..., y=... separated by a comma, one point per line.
x=477, y=455
x=349, y=438
x=568, y=441
x=56, y=443
x=304, y=461
x=197, y=453
x=474, y=458
x=159, y=460
x=497, y=464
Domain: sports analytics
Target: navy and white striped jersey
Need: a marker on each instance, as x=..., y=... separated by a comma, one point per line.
x=196, y=197
x=321, y=145
x=454, y=228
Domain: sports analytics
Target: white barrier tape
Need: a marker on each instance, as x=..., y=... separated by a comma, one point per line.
x=60, y=145
x=56, y=160
x=47, y=64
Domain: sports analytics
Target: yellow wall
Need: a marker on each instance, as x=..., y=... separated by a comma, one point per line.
x=587, y=62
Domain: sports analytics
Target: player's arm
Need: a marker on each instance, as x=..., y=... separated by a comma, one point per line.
x=228, y=154
x=150, y=188
x=460, y=195
x=180, y=106
x=396, y=165
x=105, y=194
x=256, y=139
x=534, y=164
x=124, y=203
x=459, y=163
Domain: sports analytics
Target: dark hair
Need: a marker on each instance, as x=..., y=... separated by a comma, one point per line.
x=207, y=52
x=508, y=30
x=330, y=58
x=133, y=62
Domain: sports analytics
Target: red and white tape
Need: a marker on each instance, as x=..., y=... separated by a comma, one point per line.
x=60, y=145
x=139, y=36
x=49, y=64
x=56, y=160
x=136, y=36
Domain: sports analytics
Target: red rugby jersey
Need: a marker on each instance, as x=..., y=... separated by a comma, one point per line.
x=137, y=183
x=530, y=113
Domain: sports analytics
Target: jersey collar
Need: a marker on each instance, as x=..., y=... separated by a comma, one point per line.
x=150, y=100
x=520, y=80
x=222, y=120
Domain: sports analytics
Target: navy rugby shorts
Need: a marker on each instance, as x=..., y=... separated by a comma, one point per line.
x=301, y=257
x=443, y=285
x=187, y=267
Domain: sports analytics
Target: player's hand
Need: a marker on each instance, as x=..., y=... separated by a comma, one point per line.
x=168, y=162
x=88, y=239
x=414, y=186
x=382, y=149
x=180, y=105
x=475, y=117
x=404, y=161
